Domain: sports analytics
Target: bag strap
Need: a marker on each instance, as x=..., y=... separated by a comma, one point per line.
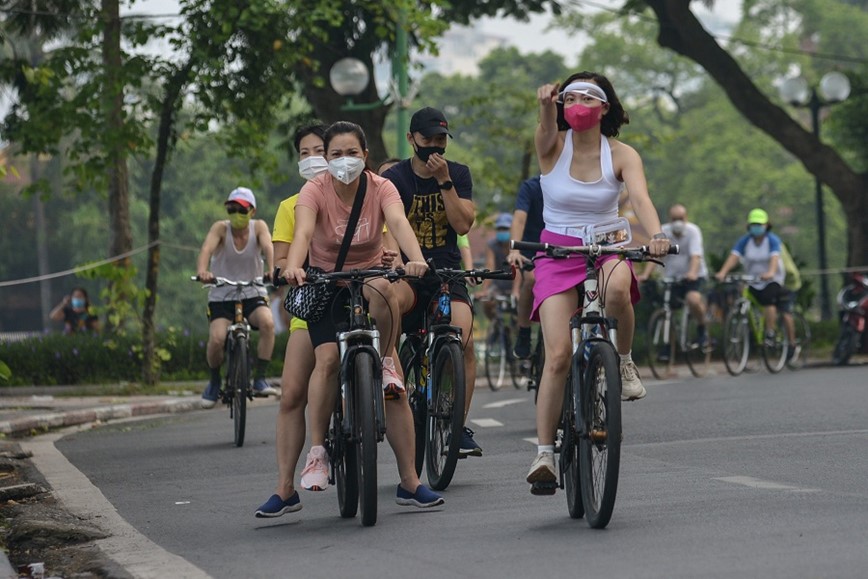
x=354, y=220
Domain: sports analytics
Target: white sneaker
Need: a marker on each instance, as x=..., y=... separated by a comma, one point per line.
x=542, y=470
x=631, y=385
x=315, y=475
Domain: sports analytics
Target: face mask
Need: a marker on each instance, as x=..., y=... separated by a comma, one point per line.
x=346, y=169
x=678, y=227
x=502, y=236
x=756, y=229
x=310, y=167
x=239, y=220
x=78, y=303
x=581, y=117
x=425, y=152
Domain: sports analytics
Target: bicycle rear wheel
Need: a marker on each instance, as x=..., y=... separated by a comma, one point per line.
x=569, y=455
x=661, y=344
x=774, y=349
x=411, y=364
x=240, y=386
x=600, y=441
x=698, y=348
x=537, y=362
x=446, y=415
x=495, y=357
x=365, y=425
x=512, y=362
x=736, y=342
x=342, y=456
x=802, y=347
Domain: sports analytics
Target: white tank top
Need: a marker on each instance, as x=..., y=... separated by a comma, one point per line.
x=243, y=265
x=569, y=204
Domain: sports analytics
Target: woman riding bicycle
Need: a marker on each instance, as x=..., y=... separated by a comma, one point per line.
x=583, y=170
x=322, y=213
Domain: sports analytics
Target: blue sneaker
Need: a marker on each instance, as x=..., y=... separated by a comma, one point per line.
x=211, y=394
x=262, y=388
x=468, y=445
x=276, y=506
x=423, y=498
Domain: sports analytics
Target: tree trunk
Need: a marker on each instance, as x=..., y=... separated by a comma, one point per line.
x=681, y=32
x=165, y=141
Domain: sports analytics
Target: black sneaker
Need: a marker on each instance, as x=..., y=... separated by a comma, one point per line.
x=468, y=445
x=521, y=350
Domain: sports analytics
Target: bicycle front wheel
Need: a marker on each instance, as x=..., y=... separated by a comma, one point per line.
x=774, y=349
x=342, y=456
x=801, y=349
x=569, y=455
x=661, y=344
x=697, y=348
x=736, y=342
x=446, y=415
x=495, y=357
x=364, y=423
x=600, y=441
x=240, y=386
x=411, y=363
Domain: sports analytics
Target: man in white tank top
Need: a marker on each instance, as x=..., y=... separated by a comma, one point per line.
x=233, y=249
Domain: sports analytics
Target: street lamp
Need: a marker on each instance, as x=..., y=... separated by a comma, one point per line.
x=834, y=87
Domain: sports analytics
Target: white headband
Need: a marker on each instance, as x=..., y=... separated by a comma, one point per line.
x=586, y=88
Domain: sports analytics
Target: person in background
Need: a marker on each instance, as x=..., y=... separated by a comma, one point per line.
x=527, y=225
x=688, y=267
x=76, y=313
x=233, y=249
x=495, y=258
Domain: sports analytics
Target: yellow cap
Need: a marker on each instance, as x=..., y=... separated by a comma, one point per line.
x=758, y=216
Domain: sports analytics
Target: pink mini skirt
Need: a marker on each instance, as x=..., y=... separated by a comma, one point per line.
x=554, y=276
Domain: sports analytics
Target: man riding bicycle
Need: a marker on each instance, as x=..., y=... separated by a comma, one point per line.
x=233, y=249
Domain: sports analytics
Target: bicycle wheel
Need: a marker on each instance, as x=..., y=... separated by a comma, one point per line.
x=697, y=350
x=410, y=362
x=240, y=379
x=600, y=441
x=446, y=415
x=774, y=350
x=661, y=344
x=513, y=366
x=845, y=345
x=365, y=433
x=569, y=455
x=736, y=342
x=342, y=456
x=495, y=357
x=802, y=347
x=537, y=363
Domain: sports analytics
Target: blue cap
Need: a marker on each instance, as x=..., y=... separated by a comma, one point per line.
x=503, y=221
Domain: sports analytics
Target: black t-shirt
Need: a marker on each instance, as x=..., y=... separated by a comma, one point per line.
x=78, y=321
x=423, y=204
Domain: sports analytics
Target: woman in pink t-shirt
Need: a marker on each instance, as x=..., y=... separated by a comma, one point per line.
x=321, y=218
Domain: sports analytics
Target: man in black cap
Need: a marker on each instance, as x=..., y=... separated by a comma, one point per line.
x=438, y=199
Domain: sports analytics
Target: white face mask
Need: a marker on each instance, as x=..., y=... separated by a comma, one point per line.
x=346, y=169
x=678, y=227
x=310, y=167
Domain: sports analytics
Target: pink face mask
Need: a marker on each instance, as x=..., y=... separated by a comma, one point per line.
x=581, y=117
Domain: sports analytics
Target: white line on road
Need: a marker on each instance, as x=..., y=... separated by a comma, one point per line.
x=533, y=440
x=486, y=422
x=502, y=403
x=767, y=485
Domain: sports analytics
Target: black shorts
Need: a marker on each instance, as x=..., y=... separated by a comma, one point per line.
x=426, y=292
x=324, y=331
x=226, y=310
x=680, y=289
x=774, y=295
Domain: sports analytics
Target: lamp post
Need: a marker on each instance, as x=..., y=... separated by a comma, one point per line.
x=834, y=87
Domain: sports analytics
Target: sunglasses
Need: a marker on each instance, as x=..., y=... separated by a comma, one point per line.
x=237, y=209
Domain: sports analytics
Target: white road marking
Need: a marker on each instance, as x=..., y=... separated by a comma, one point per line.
x=533, y=440
x=767, y=485
x=502, y=403
x=486, y=422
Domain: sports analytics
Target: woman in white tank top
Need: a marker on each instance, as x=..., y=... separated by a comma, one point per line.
x=583, y=170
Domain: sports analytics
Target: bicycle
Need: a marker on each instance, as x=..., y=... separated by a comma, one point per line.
x=237, y=388
x=745, y=326
x=589, y=453
x=433, y=361
x=499, y=361
x=670, y=335
x=531, y=368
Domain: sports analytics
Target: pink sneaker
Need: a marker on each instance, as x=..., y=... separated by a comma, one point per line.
x=392, y=385
x=315, y=475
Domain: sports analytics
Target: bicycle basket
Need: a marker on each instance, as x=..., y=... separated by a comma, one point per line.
x=310, y=301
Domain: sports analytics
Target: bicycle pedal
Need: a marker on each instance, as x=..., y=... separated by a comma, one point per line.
x=543, y=488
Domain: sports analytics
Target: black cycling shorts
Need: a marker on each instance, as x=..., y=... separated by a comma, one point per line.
x=226, y=309
x=774, y=295
x=426, y=292
x=324, y=331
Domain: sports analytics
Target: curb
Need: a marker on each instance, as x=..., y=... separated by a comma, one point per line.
x=44, y=422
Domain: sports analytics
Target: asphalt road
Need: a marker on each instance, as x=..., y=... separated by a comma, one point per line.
x=756, y=476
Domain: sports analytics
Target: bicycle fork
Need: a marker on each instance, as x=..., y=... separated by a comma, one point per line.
x=349, y=345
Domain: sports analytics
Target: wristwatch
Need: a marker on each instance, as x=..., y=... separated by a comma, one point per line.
x=445, y=185
x=660, y=235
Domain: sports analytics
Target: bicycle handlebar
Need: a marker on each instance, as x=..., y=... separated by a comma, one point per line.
x=221, y=281
x=641, y=253
x=351, y=275
x=474, y=273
